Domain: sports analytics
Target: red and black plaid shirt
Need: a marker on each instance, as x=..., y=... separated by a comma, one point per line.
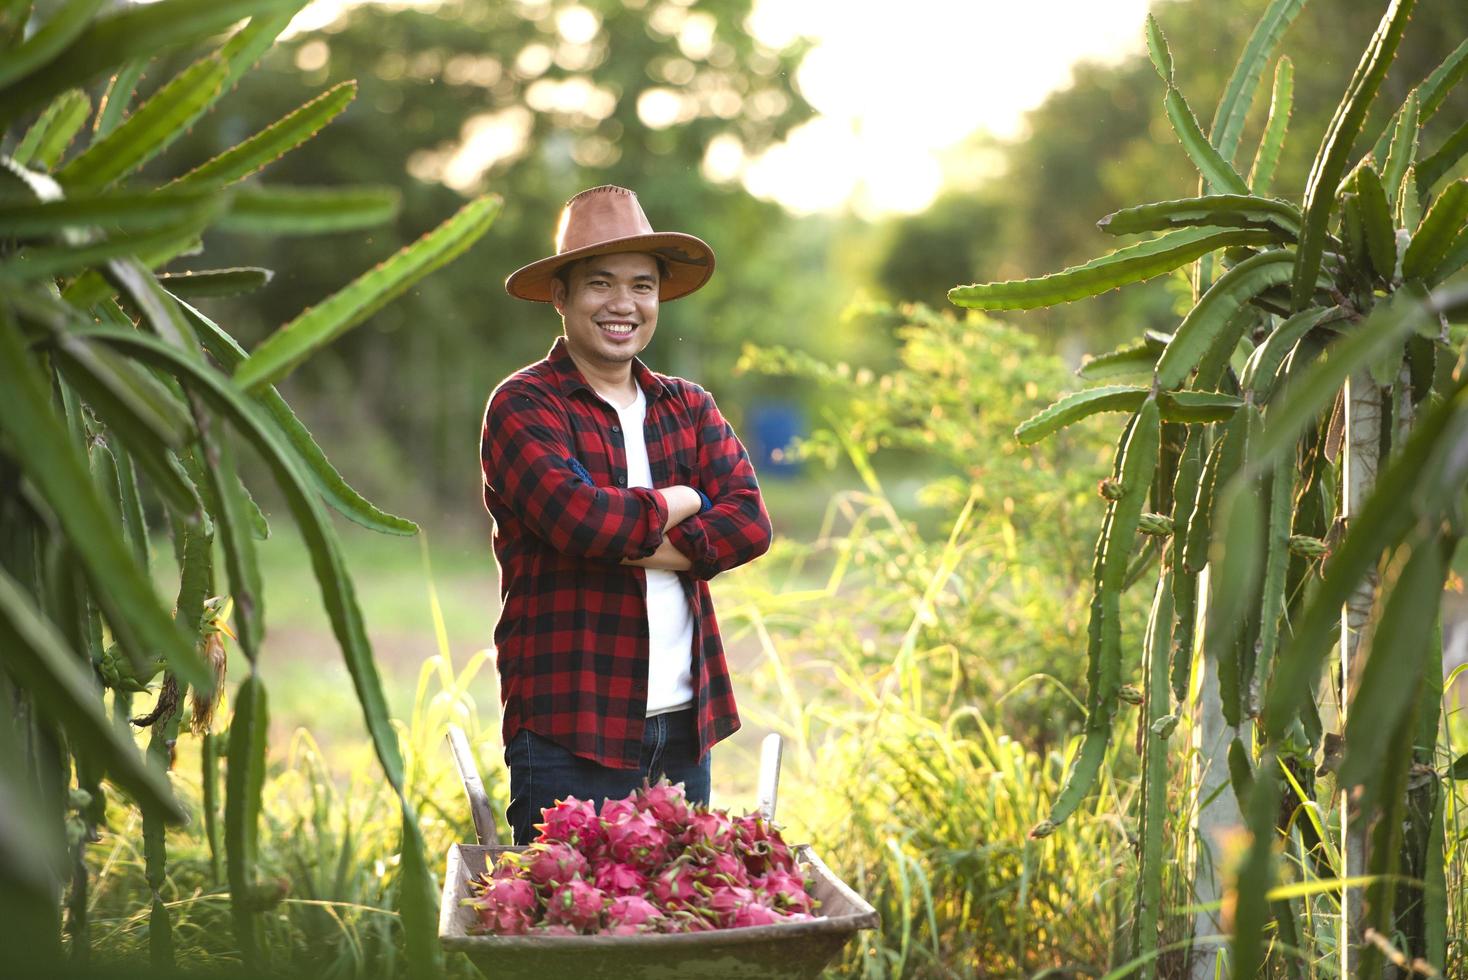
x=572, y=635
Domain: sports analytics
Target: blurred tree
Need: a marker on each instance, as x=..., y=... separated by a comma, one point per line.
x=535, y=101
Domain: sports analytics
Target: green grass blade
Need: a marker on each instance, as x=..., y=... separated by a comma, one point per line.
x=117, y=97
x=1281, y=100
x=272, y=142
x=1403, y=151
x=1203, y=327
x=1387, y=690
x=1335, y=148
x=1134, y=263
x=318, y=326
x=418, y=903
x=1381, y=524
x=43, y=449
x=37, y=656
x=1376, y=223
x=149, y=130
x=1215, y=210
x=308, y=210
x=135, y=31
x=1074, y=407
x=50, y=135
x=1238, y=93
x=50, y=40
x=1218, y=173
x=244, y=784
x=215, y=282
x=1438, y=232
x=127, y=211
x=333, y=488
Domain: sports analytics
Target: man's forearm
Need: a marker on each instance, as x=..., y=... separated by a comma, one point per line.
x=683, y=502
x=667, y=557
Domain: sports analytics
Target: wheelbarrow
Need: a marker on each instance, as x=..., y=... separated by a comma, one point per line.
x=788, y=950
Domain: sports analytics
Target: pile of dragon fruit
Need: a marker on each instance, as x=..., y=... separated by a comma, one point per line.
x=648, y=863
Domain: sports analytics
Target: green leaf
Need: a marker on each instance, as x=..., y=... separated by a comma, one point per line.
x=1459, y=768
x=1444, y=158
x=1082, y=404
x=1260, y=373
x=1238, y=94
x=233, y=511
x=45, y=261
x=1218, y=173
x=272, y=142
x=1383, y=331
x=246, y=45
x=1281, y=98
x=50, y=135
x=127, y=211
x=308, y=210
x=149, y=130
x=1430, y=94
x=1217, y=210
x=1456, y=259
x=42, y=46
x=1197, y=406
x=1201, y=329
x=318, y=326
x=37, y=657
x=1330, y=160
x=1439, y=230
x=1400, y=651
x=1376, y=222
x=335, y=490
x=39, y=443
x=115, y=100
x=133, y=393
x=135, y=31
x=215, y=282
x=1138, y=358
x=1409, y=201
x=243, y=787
x=1134, y=263
x=1158, y=51
x=1403, y=152
x=1384, y=520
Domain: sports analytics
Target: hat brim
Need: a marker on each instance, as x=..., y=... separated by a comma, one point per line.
x=689, y=261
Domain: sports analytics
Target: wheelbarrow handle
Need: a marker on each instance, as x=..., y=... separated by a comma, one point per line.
x=479, y=808
x=771, y=750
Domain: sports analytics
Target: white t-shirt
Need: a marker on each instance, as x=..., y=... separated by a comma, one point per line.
x=669, y=617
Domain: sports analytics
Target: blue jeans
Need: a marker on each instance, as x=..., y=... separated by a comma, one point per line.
x=542, y=772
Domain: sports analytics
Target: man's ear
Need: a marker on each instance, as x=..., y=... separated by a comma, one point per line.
x=558, y=295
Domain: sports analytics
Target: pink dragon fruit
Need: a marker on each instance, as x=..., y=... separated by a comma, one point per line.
x=577, y=904
x=639, y=841
x=710, y=830
x=754, y=914
x=615, y=811
x=555, y=929
x=676, y=887
x=618, y=879
x=785, y=892
x=763, y=848
x=725, y=903
x=572, y=821
x=506, y=906
x=717, y=868
x=668, y=805
x=551, y=863
x=629, y=915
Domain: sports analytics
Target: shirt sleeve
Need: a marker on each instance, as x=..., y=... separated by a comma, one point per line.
x=528, y=459
x=736, y=529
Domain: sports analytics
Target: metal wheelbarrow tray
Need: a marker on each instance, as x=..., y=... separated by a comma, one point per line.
x=793, y=950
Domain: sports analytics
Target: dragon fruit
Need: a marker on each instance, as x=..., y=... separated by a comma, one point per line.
x=506, y=906
x=572, y=821
x=638, y=840
x=577, y=904
x=629, y=915
x=648, y=863
x=620, y=879
x=552, y=863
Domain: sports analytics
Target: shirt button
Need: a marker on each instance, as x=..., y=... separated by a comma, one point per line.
x=616, y=428
x=621, y=481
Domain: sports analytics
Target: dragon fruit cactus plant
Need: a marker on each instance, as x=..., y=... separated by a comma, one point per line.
x=651, y=862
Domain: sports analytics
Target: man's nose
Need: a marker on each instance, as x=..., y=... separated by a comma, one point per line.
x=621, y=301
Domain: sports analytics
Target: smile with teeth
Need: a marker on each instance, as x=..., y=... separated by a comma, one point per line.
x=618, y=328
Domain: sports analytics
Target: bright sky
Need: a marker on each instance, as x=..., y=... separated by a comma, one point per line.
x=896, y=85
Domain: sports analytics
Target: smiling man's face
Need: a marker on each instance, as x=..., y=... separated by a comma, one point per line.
x=610, y=307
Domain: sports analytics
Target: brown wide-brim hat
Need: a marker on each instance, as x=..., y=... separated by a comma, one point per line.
x=608, y=219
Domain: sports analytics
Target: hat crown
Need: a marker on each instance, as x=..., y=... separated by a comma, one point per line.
x=601, y=214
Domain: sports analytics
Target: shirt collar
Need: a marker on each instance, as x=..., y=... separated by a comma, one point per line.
x=569, y=379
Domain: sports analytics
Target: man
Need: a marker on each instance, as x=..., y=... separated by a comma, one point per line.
x=617, y=493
